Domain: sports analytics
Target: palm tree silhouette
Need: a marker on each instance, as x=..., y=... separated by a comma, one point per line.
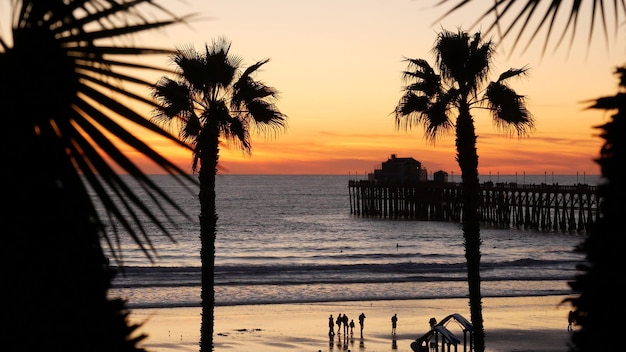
x=212, y=98
x=597, y=300
x=463, y=62
x=62, y=66
x=594, y=288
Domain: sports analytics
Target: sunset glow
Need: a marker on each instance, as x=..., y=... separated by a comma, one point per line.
x=338, y=68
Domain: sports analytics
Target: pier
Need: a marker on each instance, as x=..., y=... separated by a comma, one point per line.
x=510, y=205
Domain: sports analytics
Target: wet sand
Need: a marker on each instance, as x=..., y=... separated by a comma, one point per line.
x=518, y=324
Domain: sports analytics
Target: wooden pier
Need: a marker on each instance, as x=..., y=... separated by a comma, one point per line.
x=541, y=207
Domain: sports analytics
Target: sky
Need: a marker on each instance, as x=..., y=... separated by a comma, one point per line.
x=338, y=63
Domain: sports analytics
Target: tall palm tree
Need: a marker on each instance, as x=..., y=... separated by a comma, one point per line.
x=598, y=301
x=213, y=97
x=430, y=98
x=595, y=302
x=60, y=66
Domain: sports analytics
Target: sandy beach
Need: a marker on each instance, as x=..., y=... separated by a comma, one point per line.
x=516, y=324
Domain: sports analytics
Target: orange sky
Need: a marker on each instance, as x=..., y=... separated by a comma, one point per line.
x=338, y=67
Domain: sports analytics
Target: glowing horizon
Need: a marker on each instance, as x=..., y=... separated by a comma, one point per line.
x=338, y=68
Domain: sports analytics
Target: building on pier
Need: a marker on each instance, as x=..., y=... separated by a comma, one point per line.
x=399, y=170
x=440, y=176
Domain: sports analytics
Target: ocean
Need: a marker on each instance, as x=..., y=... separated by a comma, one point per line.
x=292, y=239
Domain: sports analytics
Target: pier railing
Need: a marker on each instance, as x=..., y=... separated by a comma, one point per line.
x=531, y=206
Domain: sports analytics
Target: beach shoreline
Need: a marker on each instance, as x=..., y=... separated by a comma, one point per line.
x=528, y=324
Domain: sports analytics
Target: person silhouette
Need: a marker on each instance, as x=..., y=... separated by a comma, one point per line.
x=338, y=322
x=571, y=319
x=394, y=321
x=331, y=326
x=362, y=322
x=345, y=322
x=351, y=326
x=432, y=322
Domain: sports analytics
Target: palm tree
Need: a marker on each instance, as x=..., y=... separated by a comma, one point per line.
x=60, y=66
x=598, y=300
x=595, y=301
x=516, y=18
x=212, y=97
x=464, y=63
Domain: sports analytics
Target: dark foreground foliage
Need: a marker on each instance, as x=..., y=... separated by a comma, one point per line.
x=59, y=80
x=599, y=303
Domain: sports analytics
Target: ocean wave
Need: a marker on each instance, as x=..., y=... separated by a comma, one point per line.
x=283, y=275
x=232, y=296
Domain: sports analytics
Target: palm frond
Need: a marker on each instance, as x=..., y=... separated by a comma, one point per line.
x=426, y=88
x=413, y=110
x=246, y=88
x=116, y=32
x=621, y=73
x=265, y=114
x=508, y=109
x=452, y=54
x=548, y=19
x=141, y=121
x=518, y=17
x=237, y=132
x=411, y=103
x=253, y=99
x=419, y=65
x=191, y=128
x=438, y=122
x=173, y=99
x=220, y=65
x=424, y=77
x=609, y=103
x=513, y=72
x=479, y=62
x=254, y=67
x=70, y=32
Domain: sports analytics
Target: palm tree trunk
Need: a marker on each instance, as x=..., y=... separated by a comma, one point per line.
x=467, y=158
x=208, y=223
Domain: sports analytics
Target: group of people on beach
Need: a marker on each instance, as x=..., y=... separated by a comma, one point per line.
x=346, y=322
x=343, y=320
x=347, y=325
